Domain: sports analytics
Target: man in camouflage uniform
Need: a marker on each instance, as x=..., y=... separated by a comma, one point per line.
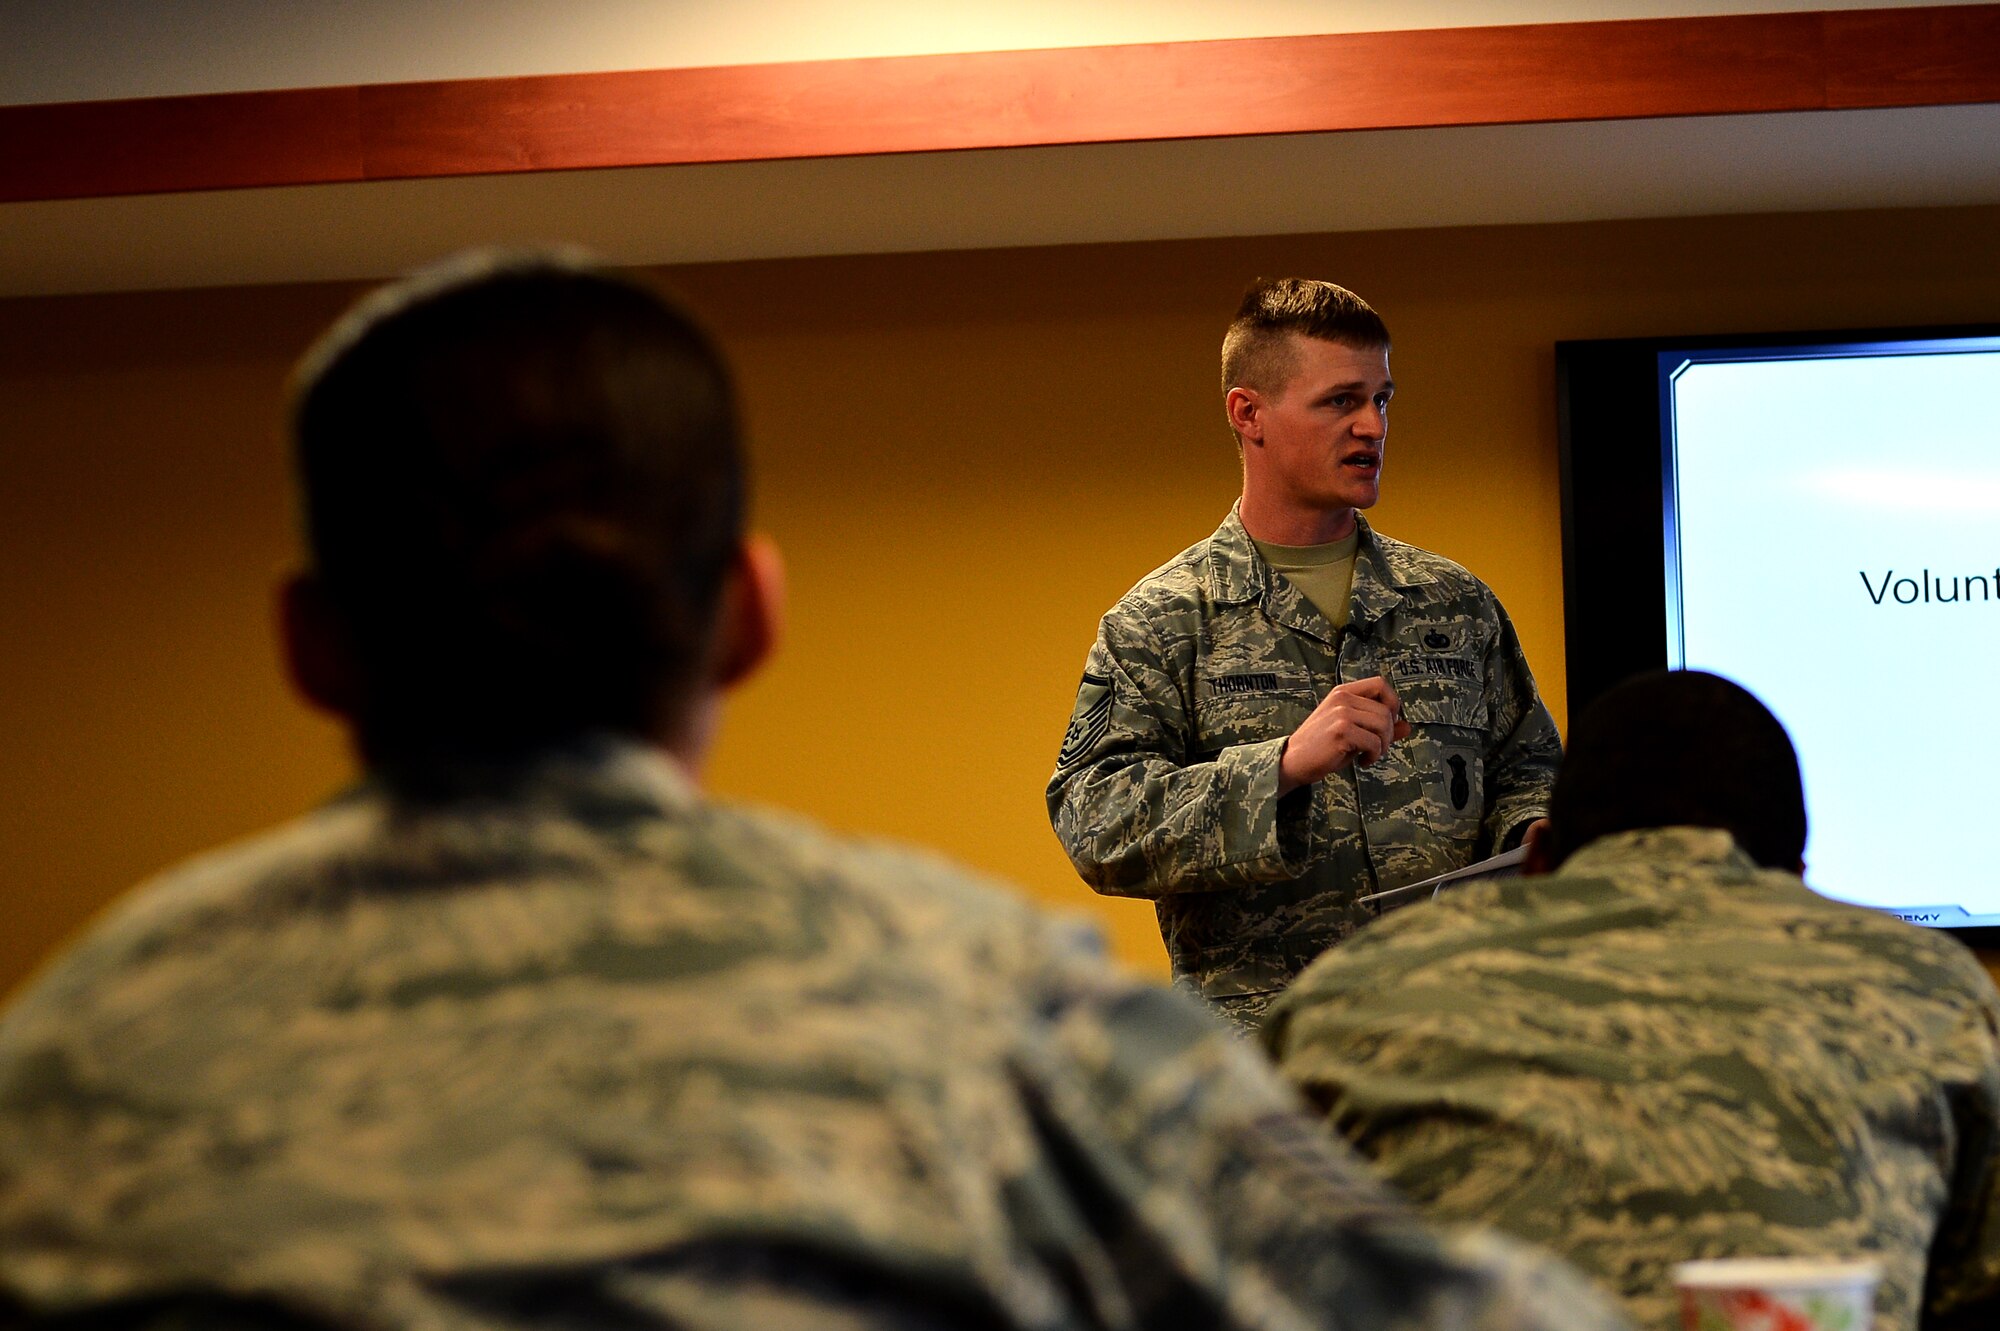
x=525, y=1032
x=1672, y=1048
x=1263, y=736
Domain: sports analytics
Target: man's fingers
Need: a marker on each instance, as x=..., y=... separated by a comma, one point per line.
x=1374, y=742
x=1354, y=724
x=1362, y=712
x=1344, y=703
x=1370, y=699
x=1375, y=687
x=1364, y=737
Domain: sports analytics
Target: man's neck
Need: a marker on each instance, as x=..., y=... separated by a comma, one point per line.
x=1286, y=526
x=687, y=741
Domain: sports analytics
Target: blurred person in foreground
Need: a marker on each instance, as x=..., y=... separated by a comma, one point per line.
x=1664, y=1045
x=524, y=1031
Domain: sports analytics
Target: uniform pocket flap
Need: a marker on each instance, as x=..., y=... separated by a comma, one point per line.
x=1429, y=706
x=1249, y=706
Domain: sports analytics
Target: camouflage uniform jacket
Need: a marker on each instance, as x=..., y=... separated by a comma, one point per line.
x=1167, y=784
x=581, y=1048
x=1664, y=1052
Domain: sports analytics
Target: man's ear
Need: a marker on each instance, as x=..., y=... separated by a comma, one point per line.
x=753, y=612
x=316, y=646
x=1245, y=409
x=1540, y=844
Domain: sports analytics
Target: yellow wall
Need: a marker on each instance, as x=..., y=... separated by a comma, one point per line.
x=968, y=457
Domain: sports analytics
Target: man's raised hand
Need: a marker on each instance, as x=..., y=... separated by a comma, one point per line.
x=1356, y=723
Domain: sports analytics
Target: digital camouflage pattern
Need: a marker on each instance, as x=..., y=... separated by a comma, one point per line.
x=1665, y=1053
x=1167, y=784
x=579, y=1048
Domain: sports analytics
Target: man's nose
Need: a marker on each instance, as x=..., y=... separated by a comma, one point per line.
x=1371, y=423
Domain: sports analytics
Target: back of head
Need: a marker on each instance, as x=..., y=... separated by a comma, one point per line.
x=1681, y=748
x=1257, y=349
x=523, y=489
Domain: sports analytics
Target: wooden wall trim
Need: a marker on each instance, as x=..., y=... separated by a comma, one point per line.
x=1731, y=64
x=1937, y=57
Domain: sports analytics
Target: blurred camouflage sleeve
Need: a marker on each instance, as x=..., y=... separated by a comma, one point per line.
x=1524, y=748
x=1962, y=1286
x=1139, y=814
x=747, y=1281
x=1238, y=1192
x=194, y=1310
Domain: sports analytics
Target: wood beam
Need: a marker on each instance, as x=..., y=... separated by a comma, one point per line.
x=1625, y=69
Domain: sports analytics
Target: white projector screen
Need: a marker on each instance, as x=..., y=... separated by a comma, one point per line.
x=1833, y=545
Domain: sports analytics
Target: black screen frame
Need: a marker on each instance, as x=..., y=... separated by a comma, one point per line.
x=1615, y=460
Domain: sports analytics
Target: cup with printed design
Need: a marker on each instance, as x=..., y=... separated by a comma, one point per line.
x=1777, y=1294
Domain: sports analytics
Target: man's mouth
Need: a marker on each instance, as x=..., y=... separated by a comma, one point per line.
x=1366, y=461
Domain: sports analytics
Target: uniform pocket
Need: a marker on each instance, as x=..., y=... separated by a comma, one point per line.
x=1447, y=746
x=1439, y=690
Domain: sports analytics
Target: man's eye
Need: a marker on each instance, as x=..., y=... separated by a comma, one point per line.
x=1382, y=401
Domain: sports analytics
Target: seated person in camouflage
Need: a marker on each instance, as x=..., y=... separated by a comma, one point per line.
x=1666, y=1046
x=525, y=1032
x=1298, y=711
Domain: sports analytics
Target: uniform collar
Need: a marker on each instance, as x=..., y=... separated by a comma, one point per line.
x=600, y=773
x=1656, y=850
x=1238, y=575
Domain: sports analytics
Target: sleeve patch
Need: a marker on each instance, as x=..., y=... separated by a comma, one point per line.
x=1090, y=720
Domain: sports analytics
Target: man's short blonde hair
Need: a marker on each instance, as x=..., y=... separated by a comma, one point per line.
x=1257, y=349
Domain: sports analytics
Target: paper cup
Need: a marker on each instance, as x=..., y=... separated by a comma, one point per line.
x=1777, y=1294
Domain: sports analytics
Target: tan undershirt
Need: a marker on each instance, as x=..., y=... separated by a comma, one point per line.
x=1325, y=573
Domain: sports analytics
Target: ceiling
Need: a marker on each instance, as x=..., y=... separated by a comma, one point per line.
x=88, y=50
